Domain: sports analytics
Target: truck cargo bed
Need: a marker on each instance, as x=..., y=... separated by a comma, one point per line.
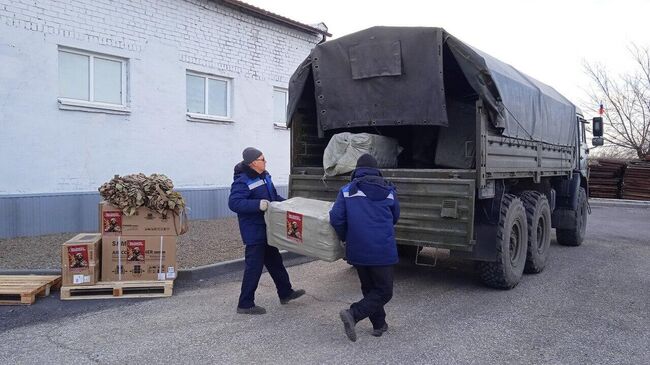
x=437, y=206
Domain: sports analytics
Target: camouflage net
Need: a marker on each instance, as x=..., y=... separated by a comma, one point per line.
x=132, y=191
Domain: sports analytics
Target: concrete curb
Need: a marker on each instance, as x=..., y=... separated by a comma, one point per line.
x=186, y=275
x=601, y=202
x=227, y=267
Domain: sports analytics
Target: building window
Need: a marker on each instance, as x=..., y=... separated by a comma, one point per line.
x=91, y=82
x=208, y=97
x=280, y=97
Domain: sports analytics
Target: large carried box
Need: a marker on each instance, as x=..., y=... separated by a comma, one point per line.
x=303, y=226
x=145, y=222
x=80, y=261
x=138, y=258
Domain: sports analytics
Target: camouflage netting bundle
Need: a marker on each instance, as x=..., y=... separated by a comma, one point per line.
x=132, y=191
x=125, y=192
x=160, y=196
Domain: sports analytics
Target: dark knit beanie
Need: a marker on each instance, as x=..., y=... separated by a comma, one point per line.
x=366, y=160
x=250, y=154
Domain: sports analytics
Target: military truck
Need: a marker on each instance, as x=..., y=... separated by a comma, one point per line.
x=492, y=159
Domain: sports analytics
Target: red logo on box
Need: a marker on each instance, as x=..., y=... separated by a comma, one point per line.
x=294, y=226
x=78, y=258
x=135, y=250
x=112, y=221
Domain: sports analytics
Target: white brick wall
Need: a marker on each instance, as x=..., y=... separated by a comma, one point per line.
x=45, y=149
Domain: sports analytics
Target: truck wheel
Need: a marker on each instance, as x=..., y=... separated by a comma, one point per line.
x=575, y=236
x=511, y=246
x=538, y=217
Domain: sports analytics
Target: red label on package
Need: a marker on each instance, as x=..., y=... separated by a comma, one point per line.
x=294, y=226
x=112, y=221
x=78, y=258
x=135, y=250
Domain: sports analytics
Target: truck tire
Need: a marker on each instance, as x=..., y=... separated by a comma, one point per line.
x=538, y=217
x=575, y=235
x=511, y=246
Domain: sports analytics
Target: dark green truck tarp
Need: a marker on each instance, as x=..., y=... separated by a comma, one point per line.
x=390, y=76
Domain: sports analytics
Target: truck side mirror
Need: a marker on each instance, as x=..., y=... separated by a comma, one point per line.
x=597, y=141
x=597, y=126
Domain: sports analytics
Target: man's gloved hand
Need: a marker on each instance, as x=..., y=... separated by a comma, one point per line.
x=264, y=205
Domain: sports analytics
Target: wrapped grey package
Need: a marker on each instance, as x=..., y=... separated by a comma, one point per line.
x=344, y=149
x=302, y=226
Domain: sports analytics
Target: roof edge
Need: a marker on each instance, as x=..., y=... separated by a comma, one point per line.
x=267, y=15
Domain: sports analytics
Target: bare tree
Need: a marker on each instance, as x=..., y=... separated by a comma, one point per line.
x=613, y=152
x=626, y=98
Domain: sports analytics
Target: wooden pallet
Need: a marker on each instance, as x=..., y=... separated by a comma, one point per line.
x=23, y=289
x=118, y=290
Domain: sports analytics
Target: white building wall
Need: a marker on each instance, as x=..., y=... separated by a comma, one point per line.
x=44, y=149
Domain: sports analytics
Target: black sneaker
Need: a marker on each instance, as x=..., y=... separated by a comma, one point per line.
x=380, y=331
x=348, y=324
x=252, y=310
x=295, y=295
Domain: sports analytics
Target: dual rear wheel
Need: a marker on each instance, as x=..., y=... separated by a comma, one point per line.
x=522, y=241
x=538, y=219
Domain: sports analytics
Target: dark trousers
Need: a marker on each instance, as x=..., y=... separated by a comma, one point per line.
x=377, y=289
x=258, y=256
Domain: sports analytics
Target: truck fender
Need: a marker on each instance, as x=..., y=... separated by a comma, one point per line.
x=574, y=188
x=563, y=216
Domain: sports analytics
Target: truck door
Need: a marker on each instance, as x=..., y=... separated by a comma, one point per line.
x=583, y=149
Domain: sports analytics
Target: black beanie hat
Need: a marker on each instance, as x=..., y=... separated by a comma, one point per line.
x=250, y=154
x=366, y=160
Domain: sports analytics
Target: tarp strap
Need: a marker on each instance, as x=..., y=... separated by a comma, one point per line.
x=160, y=261
x=119, y=258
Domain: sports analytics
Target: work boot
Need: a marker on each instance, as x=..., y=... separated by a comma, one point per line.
x=295, y=295
x=252, y=310
x=377, y=332
x=348, y=324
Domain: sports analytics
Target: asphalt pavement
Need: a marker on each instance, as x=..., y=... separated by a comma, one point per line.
x=590, y=306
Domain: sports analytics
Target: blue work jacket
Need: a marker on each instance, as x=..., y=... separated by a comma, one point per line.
x=247, y=189
x=363, y=216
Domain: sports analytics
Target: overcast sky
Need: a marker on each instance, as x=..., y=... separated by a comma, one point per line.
x=548, y=39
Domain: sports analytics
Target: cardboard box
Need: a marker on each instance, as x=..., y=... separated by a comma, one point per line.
x=80, y=260
x=139, y=258
x=302, y=226
x=145, y=222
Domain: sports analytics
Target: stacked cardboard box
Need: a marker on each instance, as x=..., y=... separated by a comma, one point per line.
x=80, y=261
x=138, y=247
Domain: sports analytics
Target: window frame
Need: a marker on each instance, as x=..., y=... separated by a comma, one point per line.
x=286, y=103
x=204, y=117
x=90, y=104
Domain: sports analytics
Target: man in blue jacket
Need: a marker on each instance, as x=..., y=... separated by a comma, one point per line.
x=363, y=216
x=250, y=194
